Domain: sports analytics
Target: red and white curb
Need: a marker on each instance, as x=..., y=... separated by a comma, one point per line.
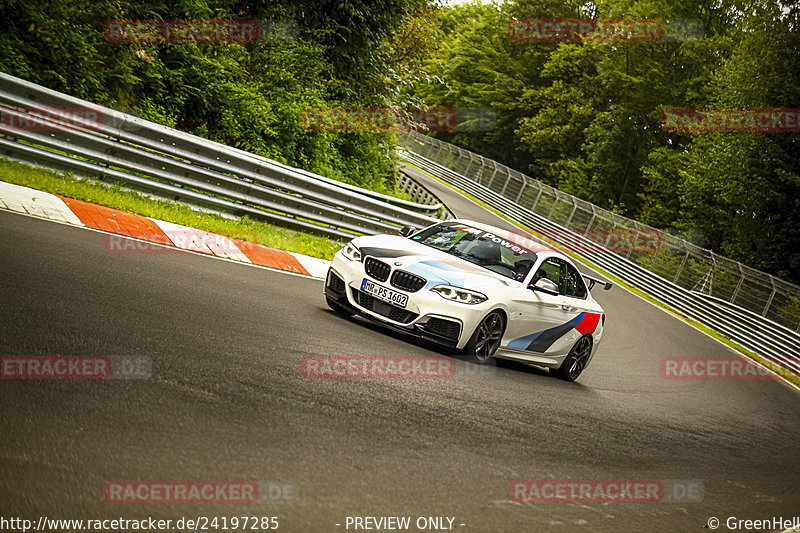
x=59, y=208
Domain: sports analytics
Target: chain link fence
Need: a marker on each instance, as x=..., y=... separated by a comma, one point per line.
x=671, y=257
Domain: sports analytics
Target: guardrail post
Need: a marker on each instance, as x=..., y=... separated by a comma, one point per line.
x=633, y=243
x=505, y=185
x=491, y=179
x=591, y=220
x=655, y=256
x=427, y=144
x=480, y=167
x=610, y=233
x=771, y=296
x=538, y=195
x=466, y=170
x=738, y=285
x=574, y=208
x=711, y=275
x=683, y=262
x=555, y=203
x=439, y=153
x=522, y=188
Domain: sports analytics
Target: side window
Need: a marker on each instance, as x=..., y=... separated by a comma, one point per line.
x=551, y=269
x=575, y=286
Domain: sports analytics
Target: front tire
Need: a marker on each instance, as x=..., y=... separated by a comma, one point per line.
x=486, y=339
x=576, y=360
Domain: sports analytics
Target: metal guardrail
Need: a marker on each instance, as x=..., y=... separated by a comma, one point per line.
x=169, y=163
x=675, y=259
x=775, y=343
x=419, y=193
x=157, y=159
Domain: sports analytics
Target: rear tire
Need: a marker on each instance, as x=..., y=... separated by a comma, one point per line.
x=486, y=339
x=576, y=360
x=339, y=308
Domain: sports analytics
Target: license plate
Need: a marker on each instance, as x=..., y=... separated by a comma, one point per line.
x=384, y=293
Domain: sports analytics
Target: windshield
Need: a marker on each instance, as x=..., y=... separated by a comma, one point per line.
x=481, y=248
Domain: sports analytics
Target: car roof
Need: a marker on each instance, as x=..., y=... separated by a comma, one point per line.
x=526, y=241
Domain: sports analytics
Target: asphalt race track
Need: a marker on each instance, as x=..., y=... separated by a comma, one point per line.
x=227, y=401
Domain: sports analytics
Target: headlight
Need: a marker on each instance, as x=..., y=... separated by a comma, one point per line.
x=457, y=294
x=351, y=252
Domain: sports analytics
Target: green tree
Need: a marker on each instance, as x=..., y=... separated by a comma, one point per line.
x=250, y=96
x=742, y=190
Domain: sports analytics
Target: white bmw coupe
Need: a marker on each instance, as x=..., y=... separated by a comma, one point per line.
x=476, y=288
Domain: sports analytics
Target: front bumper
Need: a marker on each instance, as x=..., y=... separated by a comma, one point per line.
x=425, y=315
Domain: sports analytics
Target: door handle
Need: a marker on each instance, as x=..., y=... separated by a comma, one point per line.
x=566, y=307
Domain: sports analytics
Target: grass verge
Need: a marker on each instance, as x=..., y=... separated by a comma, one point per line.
x=131, y=202
x=705, y=329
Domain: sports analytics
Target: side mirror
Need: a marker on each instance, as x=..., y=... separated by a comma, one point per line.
x=547, y=286
x=406, y=231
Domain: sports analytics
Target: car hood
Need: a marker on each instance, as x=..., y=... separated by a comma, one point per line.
x=435, y=266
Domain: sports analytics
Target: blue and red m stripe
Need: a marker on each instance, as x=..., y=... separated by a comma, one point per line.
x=542, y=340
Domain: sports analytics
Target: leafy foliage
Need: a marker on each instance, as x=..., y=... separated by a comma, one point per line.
x=250, y=96
x=585, y=117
